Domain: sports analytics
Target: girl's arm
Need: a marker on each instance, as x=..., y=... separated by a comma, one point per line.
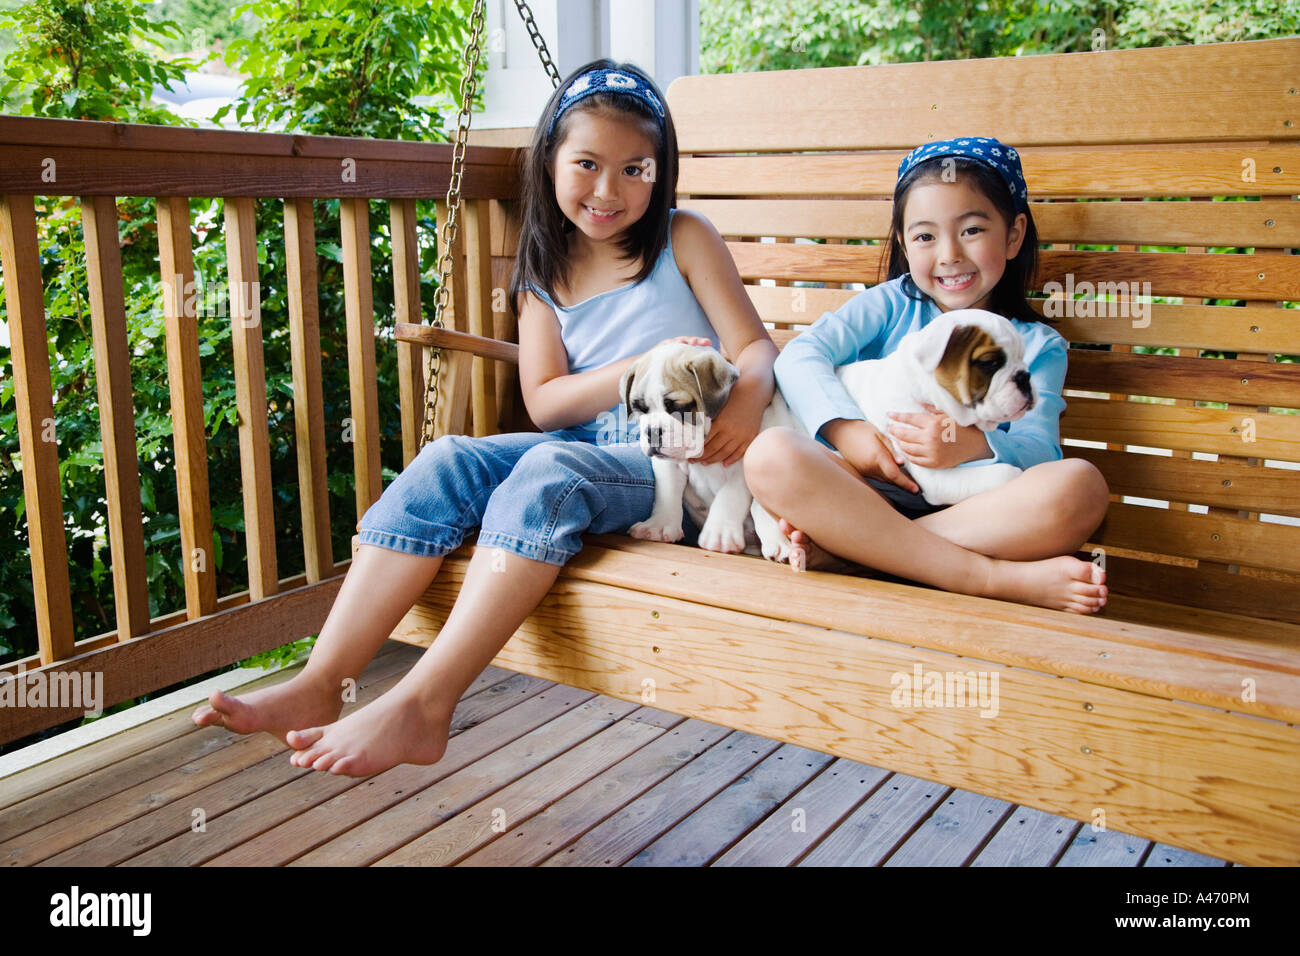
x=806, y=367
x=555, y=398
x=806, y=373
x=709, y=270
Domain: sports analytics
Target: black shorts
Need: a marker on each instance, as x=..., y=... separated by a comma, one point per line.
x=909, y=504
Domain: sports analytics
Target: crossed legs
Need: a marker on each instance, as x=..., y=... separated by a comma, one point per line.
x=1014, y=543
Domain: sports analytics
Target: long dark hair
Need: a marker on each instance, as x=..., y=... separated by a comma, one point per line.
x=543, y=256
x=1008, y=297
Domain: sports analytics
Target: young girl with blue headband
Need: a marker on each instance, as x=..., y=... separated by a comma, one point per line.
x=606, y=269
x=962, y=237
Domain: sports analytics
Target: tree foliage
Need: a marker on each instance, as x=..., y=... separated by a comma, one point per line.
x=363, y=68
x=741, y=36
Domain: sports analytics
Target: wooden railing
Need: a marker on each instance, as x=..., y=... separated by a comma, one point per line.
x=100, y=162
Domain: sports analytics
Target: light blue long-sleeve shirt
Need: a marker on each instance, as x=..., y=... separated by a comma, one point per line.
x=870, y=326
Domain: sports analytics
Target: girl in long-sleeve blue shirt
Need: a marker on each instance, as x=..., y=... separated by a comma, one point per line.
x=962, y=237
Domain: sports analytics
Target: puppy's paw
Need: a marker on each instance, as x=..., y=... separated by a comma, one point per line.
x=727, y=538
x=656, y=531
x=776, y=547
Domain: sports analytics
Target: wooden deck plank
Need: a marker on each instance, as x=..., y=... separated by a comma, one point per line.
x=96, y=824
x=111, y=751
x=713, y=828
x=806, y=817
x=71, y=829
x=1164, y=855
x=653, y=715
x=620, y=837
x=548, y=832
x=1028, y=837
x=176, y=819
x=304, y=792
x=886, y=818
x=469, y=829
x=171, y=756
x=303, y=831
x=371, y=839
x=954, y=832
x=1104, y=848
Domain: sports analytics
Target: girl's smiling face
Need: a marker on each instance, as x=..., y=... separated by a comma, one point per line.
x=603, y=173
x=957, y=243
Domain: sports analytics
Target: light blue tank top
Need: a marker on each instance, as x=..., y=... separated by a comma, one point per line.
x=627, y=321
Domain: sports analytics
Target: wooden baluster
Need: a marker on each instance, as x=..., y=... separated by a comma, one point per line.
x=355, y=216
x=308, y=406
x=34, y=399
x=250, y=395
x=454, y=377
x=478, y=252
x=116, y=415
x=185, y=379
x=406, y=308
x=505, y=241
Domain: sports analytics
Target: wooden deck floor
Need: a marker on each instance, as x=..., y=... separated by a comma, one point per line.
x=535, y=774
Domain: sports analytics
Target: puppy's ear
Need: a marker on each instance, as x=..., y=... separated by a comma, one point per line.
x=954, y=370
x=927, y=346
x=625, y=384
x=714, y=375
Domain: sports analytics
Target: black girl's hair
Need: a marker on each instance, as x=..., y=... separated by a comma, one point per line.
x=1008, y=298
x=542, y=257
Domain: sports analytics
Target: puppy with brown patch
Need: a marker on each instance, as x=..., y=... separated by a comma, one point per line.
x=675, y=391
x=969, y=364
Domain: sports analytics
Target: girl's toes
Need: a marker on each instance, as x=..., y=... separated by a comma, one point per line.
x=302, y=739
x=325, y=761
x=305, y=758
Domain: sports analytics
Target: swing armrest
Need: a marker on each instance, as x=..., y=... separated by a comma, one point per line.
x=431, y=337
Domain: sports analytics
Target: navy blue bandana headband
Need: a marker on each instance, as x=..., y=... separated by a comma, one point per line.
x=607, y=81
x=982, y=149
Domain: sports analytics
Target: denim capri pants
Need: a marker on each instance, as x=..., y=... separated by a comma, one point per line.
x=533, y=494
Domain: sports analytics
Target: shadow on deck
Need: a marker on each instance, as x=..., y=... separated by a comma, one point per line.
x=535, y=773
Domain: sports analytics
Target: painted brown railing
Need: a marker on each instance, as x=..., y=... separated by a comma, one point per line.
x=100, y=162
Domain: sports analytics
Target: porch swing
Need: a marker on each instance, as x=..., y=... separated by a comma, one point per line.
x=1173, y=713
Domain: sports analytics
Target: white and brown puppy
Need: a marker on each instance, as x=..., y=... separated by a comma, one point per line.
x=675, y=391
x=969, y=364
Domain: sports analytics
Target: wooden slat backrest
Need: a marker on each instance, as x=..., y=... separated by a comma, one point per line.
x=812, y=155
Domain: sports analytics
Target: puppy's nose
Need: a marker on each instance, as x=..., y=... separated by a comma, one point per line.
x=1021, y=379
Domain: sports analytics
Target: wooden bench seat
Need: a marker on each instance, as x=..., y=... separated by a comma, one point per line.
x=1171, y=715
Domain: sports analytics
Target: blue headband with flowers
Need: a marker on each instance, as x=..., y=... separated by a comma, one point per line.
x=607, y=81
x=982, y=149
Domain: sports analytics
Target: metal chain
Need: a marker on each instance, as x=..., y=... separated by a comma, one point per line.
x=538, y=42
x=468, y=84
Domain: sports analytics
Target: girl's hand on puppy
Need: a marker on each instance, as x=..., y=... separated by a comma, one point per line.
x=733, y=429
x=868, y=451
x=933, y=440
x=686, y=340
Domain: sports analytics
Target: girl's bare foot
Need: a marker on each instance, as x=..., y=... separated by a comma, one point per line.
x=1063, y=584
x=302, y=701
x=399, y=727
x=805, y=555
